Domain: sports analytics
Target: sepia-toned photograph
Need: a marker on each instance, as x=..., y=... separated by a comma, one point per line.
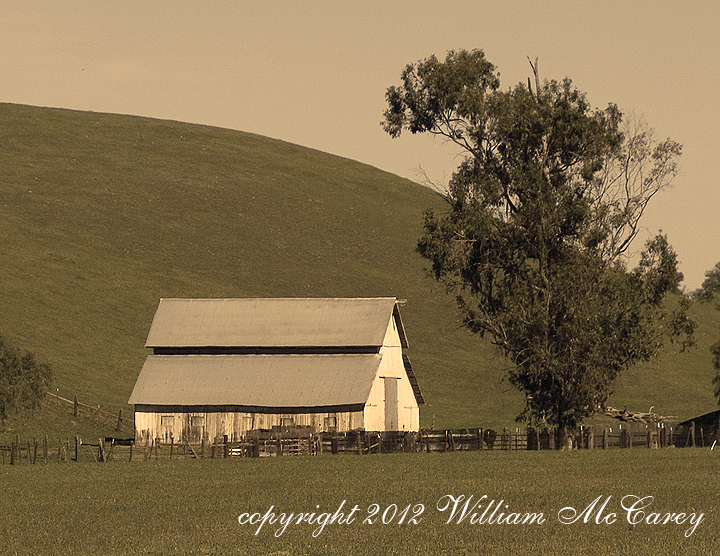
x=359, y=278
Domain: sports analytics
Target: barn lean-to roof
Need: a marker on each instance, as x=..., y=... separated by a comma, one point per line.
x=256, y=380
x=273, y=322
x=711, y=418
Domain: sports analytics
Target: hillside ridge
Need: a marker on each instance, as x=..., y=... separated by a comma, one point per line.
x=105, y=214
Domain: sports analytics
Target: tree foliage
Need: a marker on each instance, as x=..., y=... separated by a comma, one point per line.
x=715, y=349
x=541, y=213
x=23, y=380
x=710, y=286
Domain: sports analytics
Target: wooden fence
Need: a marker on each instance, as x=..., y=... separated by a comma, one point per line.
x=45, y=450
x=292, y=441
x=79, y=409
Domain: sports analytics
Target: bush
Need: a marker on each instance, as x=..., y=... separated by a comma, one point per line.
x=23, y=380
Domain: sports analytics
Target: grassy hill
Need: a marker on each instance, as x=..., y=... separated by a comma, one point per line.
x=104, y=214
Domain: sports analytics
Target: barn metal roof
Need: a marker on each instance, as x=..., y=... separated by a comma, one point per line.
x=273, y=322
x=256, y=380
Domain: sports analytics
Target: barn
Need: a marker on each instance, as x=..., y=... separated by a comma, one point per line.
x=224, y=367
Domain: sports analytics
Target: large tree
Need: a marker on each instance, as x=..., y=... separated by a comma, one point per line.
x=541, y=213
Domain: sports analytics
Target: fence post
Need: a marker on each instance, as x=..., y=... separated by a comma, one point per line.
x=75, y=407
x=692, y=434
x=119, y=423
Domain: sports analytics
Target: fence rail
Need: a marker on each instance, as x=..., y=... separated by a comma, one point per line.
x=293, y=441
x=115, y=420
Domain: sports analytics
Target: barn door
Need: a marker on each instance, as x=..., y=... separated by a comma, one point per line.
x=391, y=403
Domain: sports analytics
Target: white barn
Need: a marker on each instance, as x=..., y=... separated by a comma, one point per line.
x=223, y=367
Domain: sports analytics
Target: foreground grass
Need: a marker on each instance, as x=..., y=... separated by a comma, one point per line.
x=191, y=507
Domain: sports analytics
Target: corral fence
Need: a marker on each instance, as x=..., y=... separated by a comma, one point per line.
x=292, y=441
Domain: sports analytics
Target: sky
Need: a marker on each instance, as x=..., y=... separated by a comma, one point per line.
x=316, y=73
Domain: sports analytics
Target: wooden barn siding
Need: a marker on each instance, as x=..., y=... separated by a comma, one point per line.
x=193, y=425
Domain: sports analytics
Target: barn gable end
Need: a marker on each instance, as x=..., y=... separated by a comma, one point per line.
x=223, y=367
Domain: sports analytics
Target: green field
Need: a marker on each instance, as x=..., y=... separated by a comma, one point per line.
x=192, y=507
x=102, y=215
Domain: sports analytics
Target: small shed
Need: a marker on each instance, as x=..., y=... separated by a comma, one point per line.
x=224, y=367
x=699, y=431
